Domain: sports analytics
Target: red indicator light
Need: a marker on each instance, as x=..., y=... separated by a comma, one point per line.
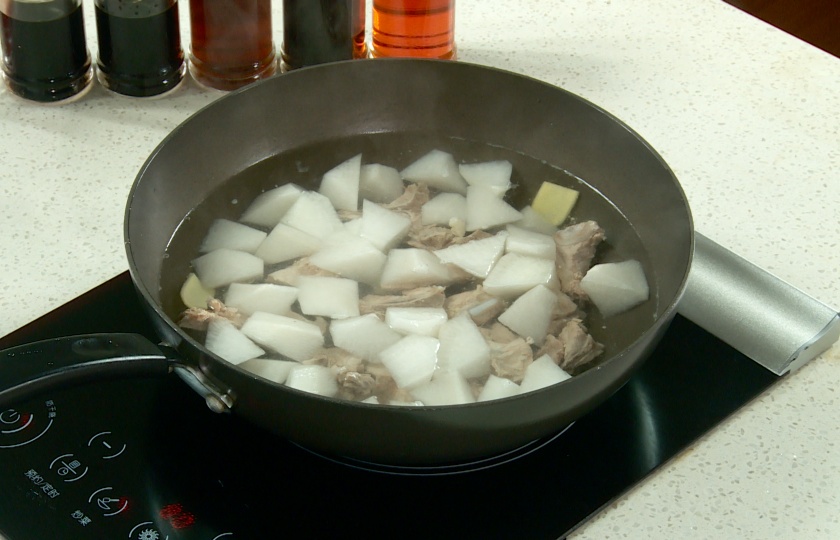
x=177, y=517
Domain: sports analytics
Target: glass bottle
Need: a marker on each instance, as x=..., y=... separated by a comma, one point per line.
x=45, y=57
x=232, y=44
x=414, y=28
x=320, y=31
x=140, y=50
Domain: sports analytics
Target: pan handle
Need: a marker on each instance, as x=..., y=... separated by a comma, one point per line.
x=42, y=366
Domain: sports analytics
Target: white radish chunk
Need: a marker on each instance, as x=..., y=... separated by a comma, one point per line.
x=355, y=258
x=313, y=213
x=354, y=226
x=478, y=257
x=445, y=388
x=530, y=314
x=443, y=208
x=463, y=348
x=269, y=368
x=540, y=373
x=341, y=184
x=365, y=336
x=412, y=360
x=373, y=400
x=438, y=170
x=380, y=183
x=533, y=244
x=423, y=321
x=268, y=297
x=285, y=243
x=228, y=342
x=337, y=298
x=494, y=175
x=224, y=233
x=497, y=388
x=225, y=266
x=194, y=294
x=485, y=210
x=384, y=228
x=412, y=267
x=616, y=287
x=514, y=274
x=269, y=207
x=290, y=337
x=313, y=379
x=533, y=221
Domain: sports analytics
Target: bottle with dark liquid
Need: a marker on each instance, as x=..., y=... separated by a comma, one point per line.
x=320, y=31
x=140, y=50
x=45, y=57
x=232, y=44
x=414, y=28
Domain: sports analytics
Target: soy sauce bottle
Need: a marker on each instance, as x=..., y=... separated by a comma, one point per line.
x=320, y=31
x=45, y=57
x=140, y=50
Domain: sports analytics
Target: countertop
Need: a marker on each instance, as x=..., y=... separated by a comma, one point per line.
x=747, y=116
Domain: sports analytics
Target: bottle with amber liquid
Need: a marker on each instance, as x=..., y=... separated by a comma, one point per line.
x=45, y=57
x=232, y=43
x=321, y=31
x=414, y=28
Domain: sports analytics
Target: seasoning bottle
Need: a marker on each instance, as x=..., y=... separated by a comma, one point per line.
x=140, y=50
x=320, y=31
x=415, y=28
x=232, y=43
x=45, y=57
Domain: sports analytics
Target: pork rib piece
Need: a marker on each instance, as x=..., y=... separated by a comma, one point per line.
x=575, y=248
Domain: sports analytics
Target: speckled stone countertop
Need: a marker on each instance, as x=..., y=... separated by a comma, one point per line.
x=747, y=116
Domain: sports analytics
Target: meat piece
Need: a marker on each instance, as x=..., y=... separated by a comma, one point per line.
x=482, y=306
x=433, y=237
x=354, y=385
x=432, y=296
x=410, y=202
x=510, y=359
x=199, y=318
x=573, y=348
x=564, y=310
x=353, y=382
x=575, y=248
x=301, y=267
x=499, y=333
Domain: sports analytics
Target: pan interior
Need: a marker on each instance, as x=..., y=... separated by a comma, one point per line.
x=305, y=166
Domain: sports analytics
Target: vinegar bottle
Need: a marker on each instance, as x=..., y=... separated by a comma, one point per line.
x=320, y=31
x=45, y=57
x=232, y=44
x=140, y=50
x=414, y=28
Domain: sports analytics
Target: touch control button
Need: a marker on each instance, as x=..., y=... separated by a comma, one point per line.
x=18, y=428
x=146, y=531
x=109, y=505
x=104, y=443
x=10, y=417
x=68, y=468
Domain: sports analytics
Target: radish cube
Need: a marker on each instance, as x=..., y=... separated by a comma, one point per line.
x=341, y=184
x=382, y=227
x=365, y=336
x=477, y=257
x=486, y=210
x=225, y=266
x=411, y=267
x=380, y=183
x=355, y=258
x=268, y=208
x=438, y=170
x=224, y=233
x=497, y=388
x=424, y=321
x=540, y=373
x=412, y=360
x=290, y=337
x=314, y=379
x=228, y=342
x=445, y=388
x=494, y=175
x=285, y=243
x=514, y=274
x=616, y=287
x=337, y=298
x=463, y=348
x=269, y=368
x=443, y=208
x=268, y=297
x=313, y=213
x=530, y=314
x=530, y=243
x=534, y=221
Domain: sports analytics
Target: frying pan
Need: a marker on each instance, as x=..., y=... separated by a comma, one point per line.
x=295, y=126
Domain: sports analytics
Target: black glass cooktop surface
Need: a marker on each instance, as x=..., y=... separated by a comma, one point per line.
x=145, y=459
